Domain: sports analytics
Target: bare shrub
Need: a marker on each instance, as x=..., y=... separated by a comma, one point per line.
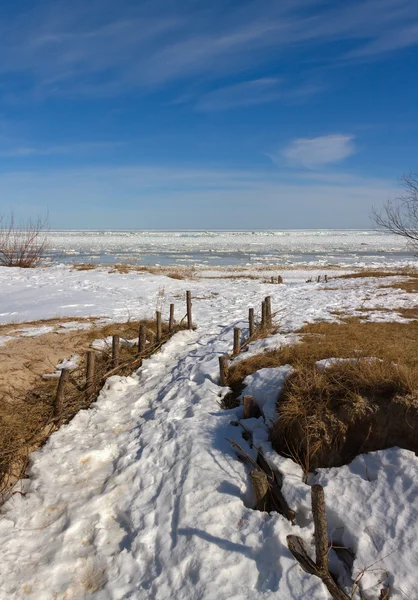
x=400, y=216
x=22, y=244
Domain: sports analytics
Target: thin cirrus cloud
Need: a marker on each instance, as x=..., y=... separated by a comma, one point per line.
x=246, y=93
x=99, y=47
x=314, y=153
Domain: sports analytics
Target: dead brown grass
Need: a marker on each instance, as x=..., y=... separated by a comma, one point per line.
x=406, y=272
x=328, y=416
x=27, y=402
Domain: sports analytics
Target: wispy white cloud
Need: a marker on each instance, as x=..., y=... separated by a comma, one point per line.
x=314, y=153
x=100, y=47
x=246, y=93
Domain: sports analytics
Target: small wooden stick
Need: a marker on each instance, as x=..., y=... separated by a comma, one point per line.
x=59, y=398
x=189, y=310
x=320, y=523
x=90, y=383
x=159, y=326
x=223, y=370
x=115, y=350
x=171, y=320
x=251, y=321
x=142, y=338
x=237, y=340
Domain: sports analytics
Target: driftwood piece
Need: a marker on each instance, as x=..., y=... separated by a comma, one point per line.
x=297, y=548
x=261, y=489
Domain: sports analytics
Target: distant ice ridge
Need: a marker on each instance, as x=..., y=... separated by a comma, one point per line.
x=311, y=247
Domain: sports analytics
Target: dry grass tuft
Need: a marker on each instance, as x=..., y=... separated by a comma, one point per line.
x=405, y=272
x=326, y=417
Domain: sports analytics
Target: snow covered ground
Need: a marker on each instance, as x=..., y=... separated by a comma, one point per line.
x=142, y=495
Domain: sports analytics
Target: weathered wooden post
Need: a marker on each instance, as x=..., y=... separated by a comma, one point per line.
x=326, y=278
x=280, y=279
x=249, y=407
x=251, y=321
x=115, y=350
x=318, y=279
x=189, y=310
x=263, y=314
x=90, y=382
x=272, y=279
x=223, y=371
x=142, y=338
x=267, y=302
x=59, y=397
x=237, y=340
x=320, y=525
x=159, y=326
x=171, y=320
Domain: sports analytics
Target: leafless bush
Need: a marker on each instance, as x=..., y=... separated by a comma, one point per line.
x=400, y=216
x=22, y=244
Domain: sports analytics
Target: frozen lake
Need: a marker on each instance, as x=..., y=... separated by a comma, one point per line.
x=231, y=248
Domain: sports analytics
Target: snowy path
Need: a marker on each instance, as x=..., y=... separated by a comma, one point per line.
x=142, y=496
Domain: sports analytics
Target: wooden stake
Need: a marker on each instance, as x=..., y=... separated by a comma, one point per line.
x=223, y=371
x=90, y=382
x=268, y=320
x=320, y=524
x=171, y=320
x=272, y=279
x=263, y=315
x=59, y=398
x=159, y=326
x=318, y=278
x=115, y=350
x=326, y=278
x=189, y=310
x=237, y=340
x=251, y=321
x=280, y=279
x=248, y=407
x=142, y=338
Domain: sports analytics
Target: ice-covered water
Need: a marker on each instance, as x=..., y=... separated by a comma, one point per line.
x=236, y=248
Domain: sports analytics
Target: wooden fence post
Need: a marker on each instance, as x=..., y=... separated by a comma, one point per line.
x=189, y=310
x=318, y=279
x=272, y=279
x=115, y=350
x=263, y=314
x=280, y=279
x=237, y=340
x=159, y=327
x=248, y=407
x=59, y=397
x=90, y=382
x=171, y=320
x=267, y=302
x=223, y=371
x=142, y=338
x=251, y=321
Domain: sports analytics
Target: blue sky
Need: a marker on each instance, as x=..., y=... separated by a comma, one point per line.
x=206, y=114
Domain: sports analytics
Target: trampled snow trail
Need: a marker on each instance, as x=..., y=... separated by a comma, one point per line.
x=142, y=496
